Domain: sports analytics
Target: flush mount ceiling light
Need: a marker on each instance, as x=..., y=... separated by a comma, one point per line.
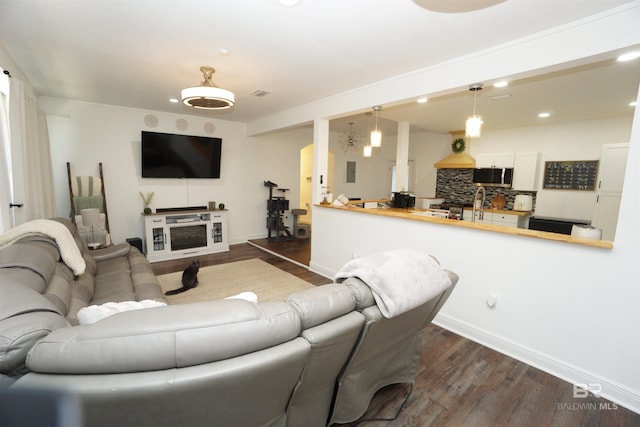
x=208, y=96
x=376, y=134
x=474, y=123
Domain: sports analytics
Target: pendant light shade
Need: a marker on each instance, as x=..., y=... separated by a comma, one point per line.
x=376, y=138
x=376, y=134
x=473, y=126
x=208, y=96
x=366, y=151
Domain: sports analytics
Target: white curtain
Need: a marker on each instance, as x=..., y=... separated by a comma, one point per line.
x=5, y=184
x=30, y=156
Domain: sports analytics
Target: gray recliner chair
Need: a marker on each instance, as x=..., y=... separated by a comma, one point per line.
x=387, y=352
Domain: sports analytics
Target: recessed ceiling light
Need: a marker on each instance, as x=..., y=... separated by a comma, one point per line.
x=174, y=100
x=422, y=100
x=630, y=56
x=543, y=115
x=502, y=83
x=289, y=3
x=633, y=103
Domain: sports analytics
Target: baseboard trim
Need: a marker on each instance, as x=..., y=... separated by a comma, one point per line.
x=279, y=255
x=323, y=271
x=611, y=390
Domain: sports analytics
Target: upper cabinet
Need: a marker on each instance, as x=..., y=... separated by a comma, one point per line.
x=494, y=160
x=525, y=171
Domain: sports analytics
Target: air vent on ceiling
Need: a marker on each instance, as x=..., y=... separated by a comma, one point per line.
x=499, y=97
x=260, y=93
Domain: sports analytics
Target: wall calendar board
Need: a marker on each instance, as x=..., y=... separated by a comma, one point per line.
x=571, y=175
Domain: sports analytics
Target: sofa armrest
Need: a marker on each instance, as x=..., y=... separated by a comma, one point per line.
x=114, y=251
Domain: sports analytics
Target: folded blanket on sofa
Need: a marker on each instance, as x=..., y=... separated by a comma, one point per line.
x=59, y=232
x=93, y=313
x=400, y=280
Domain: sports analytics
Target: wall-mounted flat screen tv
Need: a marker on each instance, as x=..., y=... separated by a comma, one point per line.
x=165, y=155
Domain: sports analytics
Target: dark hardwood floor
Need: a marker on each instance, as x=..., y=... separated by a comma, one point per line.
x=243, y=251
x=459, y=382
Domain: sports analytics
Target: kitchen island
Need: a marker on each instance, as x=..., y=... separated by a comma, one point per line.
x=415, y=214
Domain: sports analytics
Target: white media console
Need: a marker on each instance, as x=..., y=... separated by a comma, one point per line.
x=185, y=233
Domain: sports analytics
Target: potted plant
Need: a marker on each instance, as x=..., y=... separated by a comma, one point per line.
x=147, y=200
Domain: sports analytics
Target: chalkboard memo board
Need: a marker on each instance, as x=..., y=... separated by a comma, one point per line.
x=578, y=175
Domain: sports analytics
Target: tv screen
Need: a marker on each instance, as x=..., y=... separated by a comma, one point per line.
x=166, y=155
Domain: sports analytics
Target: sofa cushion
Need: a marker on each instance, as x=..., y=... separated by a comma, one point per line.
x=361, y=292
x=58, y=290
x=322, y=303
x=165, y=337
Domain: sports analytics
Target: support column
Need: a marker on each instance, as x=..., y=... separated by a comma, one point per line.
x=320, y=158
x=402, y=157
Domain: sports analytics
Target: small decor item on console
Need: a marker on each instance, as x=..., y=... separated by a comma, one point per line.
x=221, y=206
x=189, y=278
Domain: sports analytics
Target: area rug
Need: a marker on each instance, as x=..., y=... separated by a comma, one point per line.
x=224, y=280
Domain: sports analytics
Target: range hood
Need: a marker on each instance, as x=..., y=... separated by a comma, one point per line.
x=457, y=160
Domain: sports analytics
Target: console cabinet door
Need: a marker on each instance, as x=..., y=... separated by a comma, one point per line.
x=156, y=235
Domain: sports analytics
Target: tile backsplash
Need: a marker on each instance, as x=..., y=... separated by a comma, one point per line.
x=456, y=186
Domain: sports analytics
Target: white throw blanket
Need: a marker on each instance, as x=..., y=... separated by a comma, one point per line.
x=400, y=279
x=93, y=313
x=59, y=232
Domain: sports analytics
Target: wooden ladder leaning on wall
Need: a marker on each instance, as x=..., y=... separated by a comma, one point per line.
x=104, y=198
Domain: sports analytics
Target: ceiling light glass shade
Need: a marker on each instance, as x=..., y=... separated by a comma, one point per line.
x=376, y=138
x=473, y=126
x=208, y=96
x=366, y=151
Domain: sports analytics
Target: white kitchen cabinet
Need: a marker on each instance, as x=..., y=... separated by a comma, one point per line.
x=525, y=171
x=499, y=218
x=494, y=160
x=613, y=162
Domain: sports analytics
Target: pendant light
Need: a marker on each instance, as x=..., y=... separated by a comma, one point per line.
x=376, y=134
x=474, y=123
x=208, y=96
x=366, y=151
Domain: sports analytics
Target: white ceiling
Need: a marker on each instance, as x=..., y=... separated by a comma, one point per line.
x=140, y=53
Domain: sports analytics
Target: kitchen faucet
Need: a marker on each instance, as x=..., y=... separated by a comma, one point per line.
x=475, y=198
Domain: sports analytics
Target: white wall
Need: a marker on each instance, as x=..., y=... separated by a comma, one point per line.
x=372, y=174
x=568, y=309
x=565, y=141
x=85, y=134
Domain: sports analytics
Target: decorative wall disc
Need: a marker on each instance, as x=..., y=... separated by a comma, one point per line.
x=209, y=127
x=151, y=120
x=182, y=124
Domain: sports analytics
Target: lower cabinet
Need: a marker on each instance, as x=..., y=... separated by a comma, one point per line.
x=503, y=219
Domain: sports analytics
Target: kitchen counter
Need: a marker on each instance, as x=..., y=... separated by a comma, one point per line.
x=502, y=211
x=406, y=214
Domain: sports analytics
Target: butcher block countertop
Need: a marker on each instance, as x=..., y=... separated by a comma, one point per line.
x=406, y=214
x=503, y=211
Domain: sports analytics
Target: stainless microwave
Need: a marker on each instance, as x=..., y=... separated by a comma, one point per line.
x=493, y=177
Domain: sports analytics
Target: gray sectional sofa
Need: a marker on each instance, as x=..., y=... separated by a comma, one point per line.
x=311, y=360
